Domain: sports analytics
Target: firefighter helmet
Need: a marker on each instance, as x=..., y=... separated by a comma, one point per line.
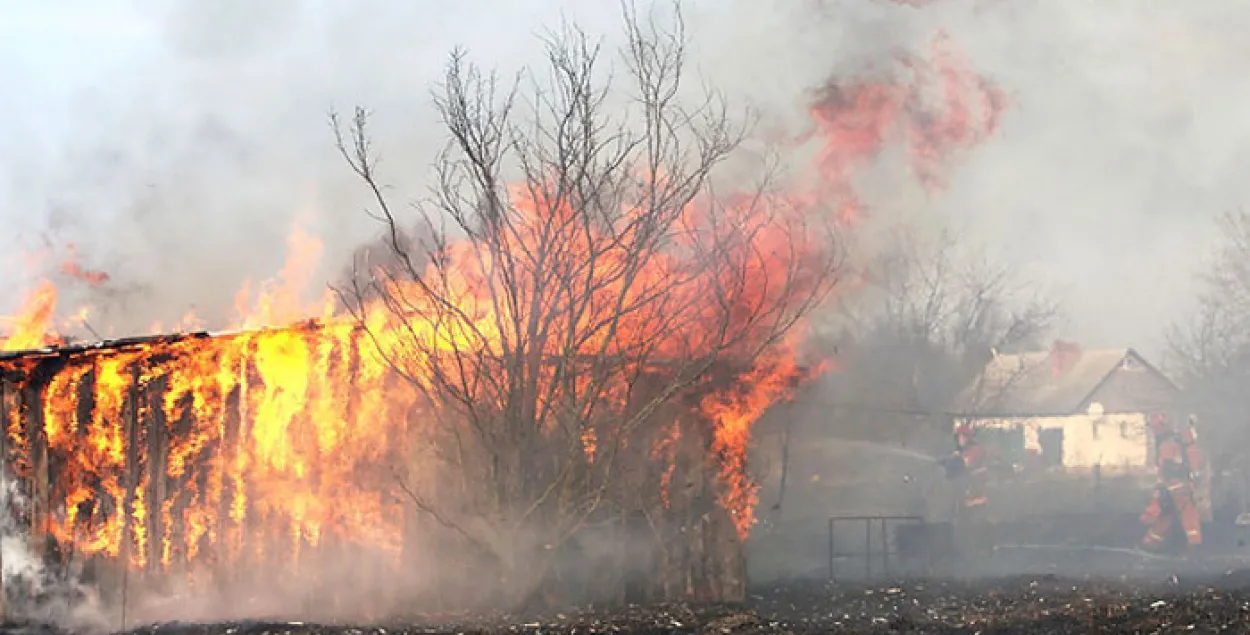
x=1157, y=422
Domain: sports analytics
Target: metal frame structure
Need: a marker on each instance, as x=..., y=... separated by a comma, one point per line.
x=882, y=526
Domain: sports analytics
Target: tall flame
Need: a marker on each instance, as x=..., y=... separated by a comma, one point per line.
x=31, y=327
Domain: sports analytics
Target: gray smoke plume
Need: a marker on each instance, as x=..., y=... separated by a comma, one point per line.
x=177, y=142
x=37, y=592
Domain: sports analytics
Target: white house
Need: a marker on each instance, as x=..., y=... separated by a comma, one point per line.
x=1068, y=409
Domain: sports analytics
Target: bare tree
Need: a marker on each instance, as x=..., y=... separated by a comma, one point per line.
x=1209, y=353
x=938, y=310
x=1217, y=336
x=577, y=276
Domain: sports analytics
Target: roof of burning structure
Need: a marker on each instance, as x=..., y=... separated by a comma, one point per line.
x=106, y=346
x=14, y=364
x=80, y=348
x=1056, y=382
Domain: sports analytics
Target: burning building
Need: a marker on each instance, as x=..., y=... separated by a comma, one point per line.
x=487, y=426
x=251, y=459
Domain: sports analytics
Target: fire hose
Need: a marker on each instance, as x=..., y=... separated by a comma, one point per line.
x=1121, y=550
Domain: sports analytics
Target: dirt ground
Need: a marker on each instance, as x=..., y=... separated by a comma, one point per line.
x=1033, y=604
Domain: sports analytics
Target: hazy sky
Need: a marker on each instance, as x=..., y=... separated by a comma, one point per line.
x=176, y=141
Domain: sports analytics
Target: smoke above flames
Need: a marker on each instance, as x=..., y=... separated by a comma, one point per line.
x=151, y=257
x=159, y=135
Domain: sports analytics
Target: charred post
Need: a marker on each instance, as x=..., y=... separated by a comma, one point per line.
x=157, y=485
x=130, y=485
x=227, y=451
x=40, y=490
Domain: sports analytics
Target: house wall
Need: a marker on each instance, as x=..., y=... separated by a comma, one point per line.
x=1116, y=442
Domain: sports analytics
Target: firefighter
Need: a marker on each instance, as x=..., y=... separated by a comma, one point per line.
x=1199, y=481
x=974, y=470
x=974, y=539
x=1193, y=455
x=1173, y=496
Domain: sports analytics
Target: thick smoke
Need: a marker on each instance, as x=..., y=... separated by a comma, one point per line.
x=189, y=139
x=1120, y=147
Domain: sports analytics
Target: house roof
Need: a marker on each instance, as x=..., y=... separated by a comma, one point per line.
x=1037, y=384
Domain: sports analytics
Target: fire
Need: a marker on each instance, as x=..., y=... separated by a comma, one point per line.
x=34, y=324
x=30, y=328
x=734, y=411
x=256, y=424
x=275, y=439
x=278, y=429
x=72, y=268
x=943, y=109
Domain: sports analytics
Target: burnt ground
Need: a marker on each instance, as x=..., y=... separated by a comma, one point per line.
x=1128, y=594
x=1024, y=604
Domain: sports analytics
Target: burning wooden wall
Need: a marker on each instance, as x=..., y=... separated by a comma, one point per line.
x=192, y=456
x=203, y=459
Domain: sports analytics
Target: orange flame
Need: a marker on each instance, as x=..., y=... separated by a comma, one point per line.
x=31, y=327
x=944, y=108
x=72, y=268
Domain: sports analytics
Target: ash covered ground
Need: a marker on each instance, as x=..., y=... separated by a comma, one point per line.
x=1093, y=590
x=1028, y=604
x=1145, y=602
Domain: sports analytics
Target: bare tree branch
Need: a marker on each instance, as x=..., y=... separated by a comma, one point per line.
x=1209, y=352
x=936, y=312
x=576, y=281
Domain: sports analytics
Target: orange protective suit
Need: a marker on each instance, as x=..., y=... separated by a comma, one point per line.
x=1173, y=499
x=976, y=472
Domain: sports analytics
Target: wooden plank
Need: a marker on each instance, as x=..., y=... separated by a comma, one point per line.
x=250, y=542
x=131, y=483
x=157, y=451
x=40, y=499
x=227, y=532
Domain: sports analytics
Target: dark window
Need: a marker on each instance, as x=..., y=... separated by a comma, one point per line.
x=1051, y=440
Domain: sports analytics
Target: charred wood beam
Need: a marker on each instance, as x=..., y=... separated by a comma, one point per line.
x=131, y=484
x=157, y=449
x=40, y=494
